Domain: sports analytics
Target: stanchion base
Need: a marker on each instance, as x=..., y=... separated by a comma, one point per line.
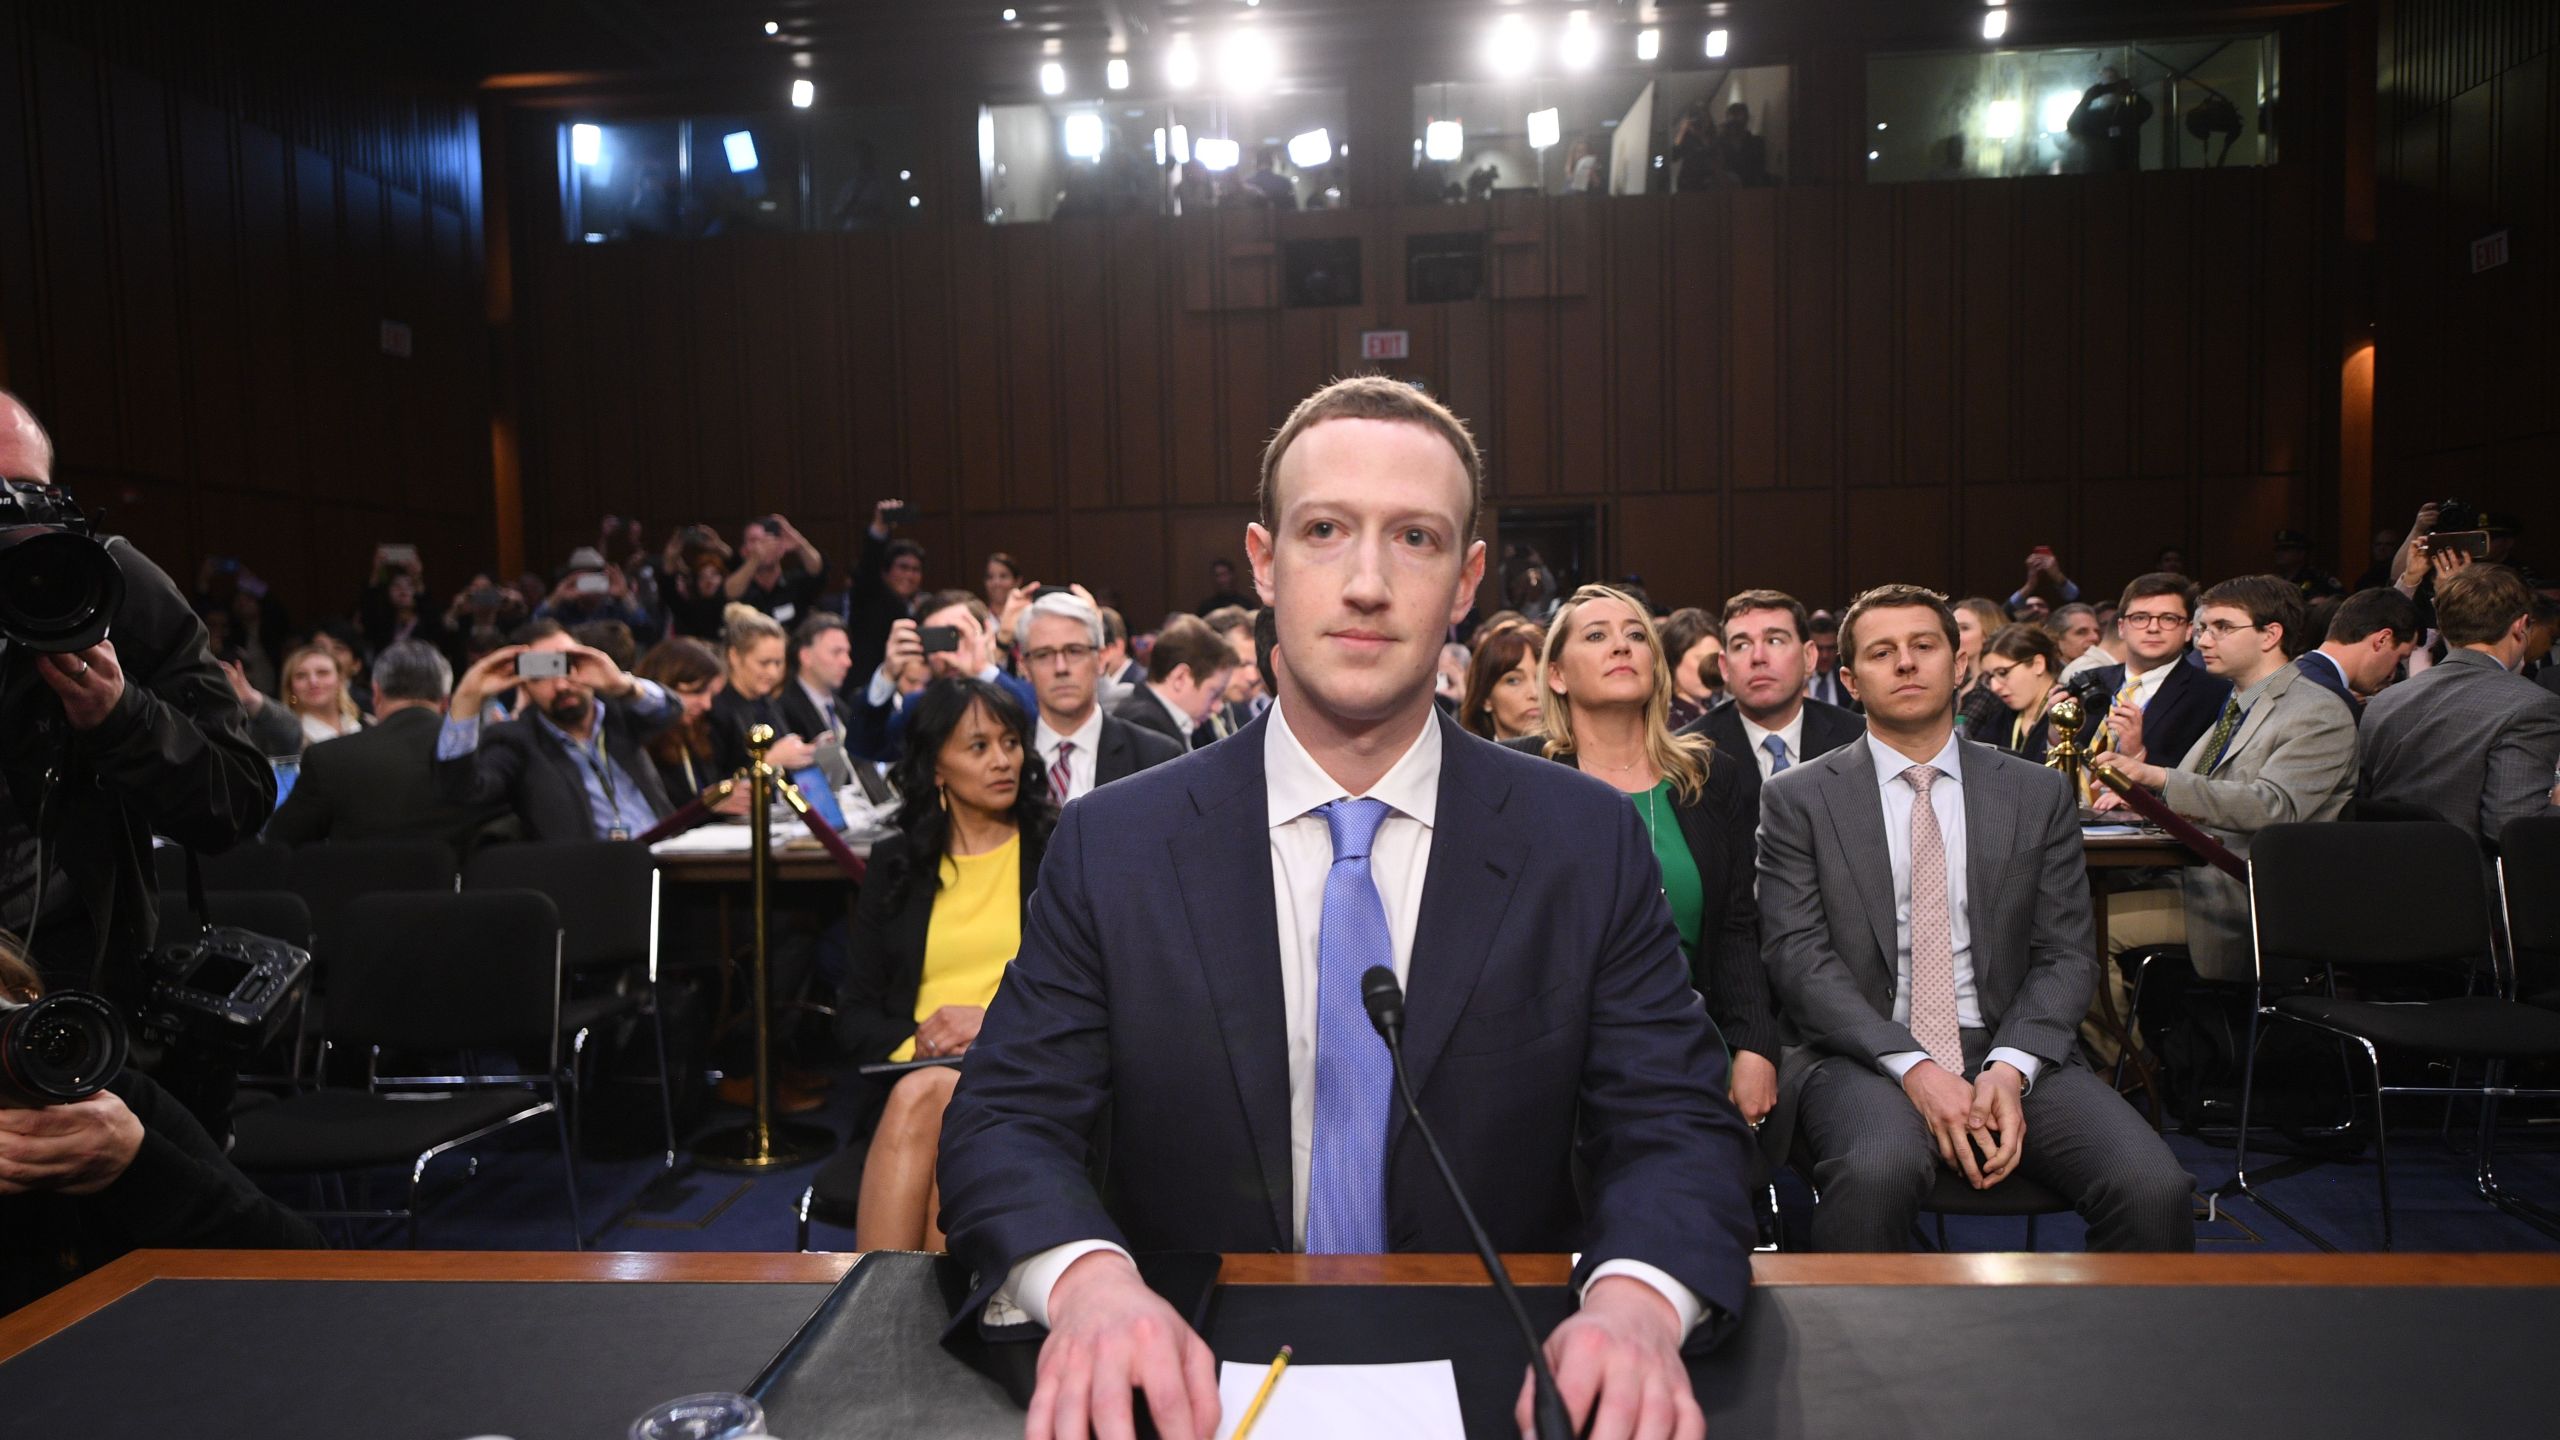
x=790, y=1144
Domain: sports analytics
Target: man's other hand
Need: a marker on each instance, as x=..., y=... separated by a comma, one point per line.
x=78, y=1149
x=1109, y=1337
x=1621, y=1353
x=89, y=682
x=1945, y=1104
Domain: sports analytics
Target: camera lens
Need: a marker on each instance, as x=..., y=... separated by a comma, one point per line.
x=64, y=1047
x=58, y=589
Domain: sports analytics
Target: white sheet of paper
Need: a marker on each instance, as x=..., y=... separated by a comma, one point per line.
x=1416, y=1401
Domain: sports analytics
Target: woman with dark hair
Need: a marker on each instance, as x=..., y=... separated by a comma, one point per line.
x=688, y=670
x=941, y=917
x=1501, y=698
x=1606, y=702
x=1977, y=708
x=2022, y=666
x=1003, y=576
x=1690, y=643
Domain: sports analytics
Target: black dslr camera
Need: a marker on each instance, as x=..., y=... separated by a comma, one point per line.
x=59, y=587
x=59, y=1049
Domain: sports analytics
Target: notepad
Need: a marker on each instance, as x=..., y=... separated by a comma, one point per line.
x=1417, y=1401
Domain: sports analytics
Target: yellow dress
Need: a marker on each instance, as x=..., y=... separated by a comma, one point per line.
x=975, y=933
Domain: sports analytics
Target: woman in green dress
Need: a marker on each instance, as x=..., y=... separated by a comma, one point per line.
x=1606, y=704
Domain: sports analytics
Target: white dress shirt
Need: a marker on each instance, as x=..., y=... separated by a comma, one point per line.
x=1081, y=761
x=1946, y=798
x=1792, y=733
x=1301, y=854
x=2148, y=683
x=1182, y=720
x=824, y=702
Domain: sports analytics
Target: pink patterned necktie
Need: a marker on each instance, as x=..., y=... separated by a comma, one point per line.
x=1058, y=772
x=1933, y=954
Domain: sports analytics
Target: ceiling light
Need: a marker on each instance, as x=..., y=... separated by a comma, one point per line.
x=1181, y=138
x=586, y=143
x=773, y=27
x=1115, y=73
x=1011, y=14
x=1545, y=128
x=2056, y=110
x=804, y=93
x=1053, y=78
x=1648, y=44
x=1311, y=149
x=1443, y=140
x=1995, y=23
x=1510, y=48
x=740, y=146
x=1182, y=64
x=1218, y=154
x=1717, y=42
x=1084, y=136
x=1245, y=63
x=1580, y=47
x=1161, y=152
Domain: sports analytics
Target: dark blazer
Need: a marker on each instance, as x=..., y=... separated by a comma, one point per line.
x=1831, y=690
x=519, y=765
x=884, y=963
x=1127, y=749
x=1548, y=1012
x=379, y=784
x=871, y=607
x=2180, y=713
x=2323, y=672
x=1826, y=728
x=801, y=716
x=1719, y=828
x=733, y=715
x=879, y=732
x=1141, y=708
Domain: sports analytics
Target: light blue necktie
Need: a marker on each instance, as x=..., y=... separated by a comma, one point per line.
x=1776, y=745
x=1347, y=1181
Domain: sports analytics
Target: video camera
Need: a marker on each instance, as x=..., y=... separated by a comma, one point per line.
x=59, y=588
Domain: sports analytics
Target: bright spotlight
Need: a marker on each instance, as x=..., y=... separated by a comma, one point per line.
x=2000, y=120
x=1546, y=127
x=1995, y=23
x=804, y=93
x=1718, y=41
x=1245, y=63
x=1053, y=78
x=2055, y=112
x=1443, y=140
x=1182, y=64
x=1310, y=149
x=1217, y=154
x=586, y=143
x=741, y=149
x=1510, y=49
x=1115, y=73
x=773, y=27
x=1648, y=44
x=1084, y=136
x=1580, y=47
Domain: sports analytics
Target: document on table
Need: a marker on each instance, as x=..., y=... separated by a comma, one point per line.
x=2104, y=831
x=1417, y=1401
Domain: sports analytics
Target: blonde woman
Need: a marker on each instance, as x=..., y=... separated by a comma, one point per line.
x=1606, y=703
x=752, y=644
x=315, y=690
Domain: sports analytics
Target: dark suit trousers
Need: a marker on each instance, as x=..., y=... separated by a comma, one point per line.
x=1874, y=1163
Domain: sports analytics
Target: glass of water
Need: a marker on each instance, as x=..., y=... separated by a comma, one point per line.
x=717, y=1416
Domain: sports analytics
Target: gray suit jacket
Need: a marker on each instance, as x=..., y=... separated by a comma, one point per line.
x=1827, y=913
x=2293, y=758
x=2467, y=739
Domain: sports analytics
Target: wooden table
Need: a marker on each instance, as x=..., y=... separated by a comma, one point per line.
x=792, y=865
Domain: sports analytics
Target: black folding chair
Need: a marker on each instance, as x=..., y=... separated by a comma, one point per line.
x=439, y=972
x=2315, y=909
x=330, y=876
x=607, y=894
x=2529, y=891
x=253, y=864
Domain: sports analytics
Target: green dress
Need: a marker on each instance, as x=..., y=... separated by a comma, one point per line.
x=1679, y=868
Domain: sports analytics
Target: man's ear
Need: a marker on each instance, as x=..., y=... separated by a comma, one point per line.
x=1258, y=554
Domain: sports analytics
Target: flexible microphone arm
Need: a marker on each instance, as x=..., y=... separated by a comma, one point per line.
x=1384, y=999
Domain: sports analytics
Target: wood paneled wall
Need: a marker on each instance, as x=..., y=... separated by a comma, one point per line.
x=2465, y=365
x=198, y=250
x=1817, y=388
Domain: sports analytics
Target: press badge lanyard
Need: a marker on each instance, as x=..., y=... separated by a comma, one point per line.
x=603, y=764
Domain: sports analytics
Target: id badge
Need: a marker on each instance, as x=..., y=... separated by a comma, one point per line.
x=617, y=833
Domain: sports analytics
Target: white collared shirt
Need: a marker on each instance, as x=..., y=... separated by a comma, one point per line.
x=1758, y=739
x=824, y=702
x=2148, y=683
x=1181, y=719
x=1946, y=800
x=1297, y=788
x=1080, y=761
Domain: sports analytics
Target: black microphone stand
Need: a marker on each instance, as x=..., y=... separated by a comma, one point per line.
x=1385, y=1001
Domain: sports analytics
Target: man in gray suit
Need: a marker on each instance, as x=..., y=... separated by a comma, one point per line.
x=2468, y=737
x=1925, y=918
x=2283, y=750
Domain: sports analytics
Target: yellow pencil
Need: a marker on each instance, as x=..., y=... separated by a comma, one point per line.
x=1279, y=1363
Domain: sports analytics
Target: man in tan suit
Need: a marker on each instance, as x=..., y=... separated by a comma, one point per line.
x=2284, y=749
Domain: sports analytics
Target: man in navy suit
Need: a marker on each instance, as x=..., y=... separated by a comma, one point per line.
x=2163, y=702
x=1192, y=960
x=2369, y=640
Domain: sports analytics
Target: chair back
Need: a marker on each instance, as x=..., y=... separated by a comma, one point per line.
x=276, y=914
x=2529, y=881
x=253, y=864
x=330, y=876
x=2322, y=893
x=606, y=891
x=442, y=971
x=2393, y=812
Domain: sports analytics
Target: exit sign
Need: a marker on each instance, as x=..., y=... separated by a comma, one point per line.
x=1386, y=344
x=2489, y=251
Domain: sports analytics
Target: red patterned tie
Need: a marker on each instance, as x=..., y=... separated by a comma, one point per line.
x=1933, y=954
x=1058, y=772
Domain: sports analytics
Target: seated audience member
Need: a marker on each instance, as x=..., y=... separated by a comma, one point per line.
x=2075, y=633
x=1605, y=712
x=1697, y=669
x=1771, y=719
x=692, y=675
x=1121, y=674
x=879, y=713
x=1931, y=1016
x=126, y=1169
x=1822, y=681
x=2284, y=750
x=2024, y=667
x=1449, y=680
x=2370, y=635
x=315, y=690
x=381, y=784
x=1501, y=702
x=1187, y=674
x=591, y=590
x=1222, y=589
x=777, y=571
x=752, y=646
x=941, y=917
x=344, y=642
x=1060, y=640
x=2470, y=739
x=1978, y=707
x=612, y=637
x=821, y=657
x=275, y=730
x=2163, y=700
x=575, y=766
x=1234, y=708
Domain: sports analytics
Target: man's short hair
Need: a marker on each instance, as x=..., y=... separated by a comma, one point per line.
x=1228, y=619
x=1371, y=397
x=1894, y=597
x=2478, y=604
x=2268, y=600
x=2160, y=583
x=2381, y=608
x=1187, y=641
x=1115, y=628
x=810, y=631
x=1821, y=622
x=1750, y=600
x=1066, y=604
x=965, y=599
x=412, y=670
x=613, y=637
x=2060, y=620
x=899, y=550
x=534, y=632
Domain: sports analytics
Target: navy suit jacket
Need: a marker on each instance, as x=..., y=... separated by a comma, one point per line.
x=2324, y=672
x=2186, y=706
x=1548, y=1014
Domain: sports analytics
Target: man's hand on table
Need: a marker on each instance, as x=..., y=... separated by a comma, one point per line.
x=1620, y=1351
x=1109, y=1335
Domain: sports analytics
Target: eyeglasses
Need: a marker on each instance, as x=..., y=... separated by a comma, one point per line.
x=2148, y=620
x=1051, y=654
x=2224, y=629
x=1997, y=672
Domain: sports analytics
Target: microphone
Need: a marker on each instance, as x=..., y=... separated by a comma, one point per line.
x=1384, y=1000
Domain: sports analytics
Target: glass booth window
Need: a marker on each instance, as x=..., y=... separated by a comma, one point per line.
x=1600, y=134
x=705, y=176
x=1078, y=159
x=2073, y=110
